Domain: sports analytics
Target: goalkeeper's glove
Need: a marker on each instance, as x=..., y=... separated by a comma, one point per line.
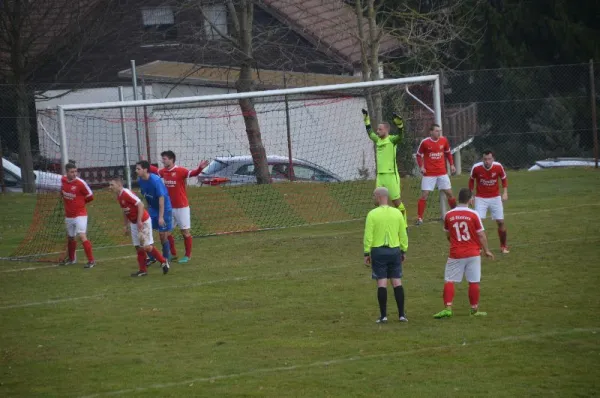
x=367, y=119
x=398, y=121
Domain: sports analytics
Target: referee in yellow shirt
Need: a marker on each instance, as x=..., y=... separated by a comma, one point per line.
x=385, y=244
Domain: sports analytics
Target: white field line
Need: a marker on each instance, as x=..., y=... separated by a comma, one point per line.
x=276, y=275
x=339, y=361
x=295, y=226
x=261, y=277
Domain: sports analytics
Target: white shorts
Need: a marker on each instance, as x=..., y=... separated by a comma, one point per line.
x=439, y=182
x=470, y=267
x=181, y=218
x=493, y=204
x=76, y=225
x=144, y=237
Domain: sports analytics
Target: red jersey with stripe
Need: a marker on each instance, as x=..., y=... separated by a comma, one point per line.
x=463, y=224
x=432, y=154
x=129, y=202
x=75, y=193
x=175, y=181
x=486, y=180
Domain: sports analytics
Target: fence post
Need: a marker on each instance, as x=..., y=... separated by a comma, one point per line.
x=2, y=183
x=594, y=121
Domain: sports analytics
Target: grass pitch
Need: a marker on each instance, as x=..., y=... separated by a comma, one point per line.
x=291, y=313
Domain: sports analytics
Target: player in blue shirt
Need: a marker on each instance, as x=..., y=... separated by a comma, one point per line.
x=159, y=204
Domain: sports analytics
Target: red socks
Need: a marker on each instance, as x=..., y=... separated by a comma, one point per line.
x=87, y=246
x=452, y=202
x=172, y=244
x=474, y=294
x=157, y=255
x=421, y=208
x=187, y=241
x=449, y=293
x=502, y=236
x=141, y=259
x=71, y=247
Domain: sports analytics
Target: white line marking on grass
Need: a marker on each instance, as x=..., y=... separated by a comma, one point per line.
x=270, y=276
x=262, y=276
x=339, y=361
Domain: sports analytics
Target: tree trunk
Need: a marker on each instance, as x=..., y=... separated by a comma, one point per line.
x=24, y=133
x=245, y=84
x=365, y=66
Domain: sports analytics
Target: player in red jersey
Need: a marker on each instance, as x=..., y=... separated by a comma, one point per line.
x=431, y=158
x=175, y=180
x=467, y=237
x=76, y=193
x=486, y=174
x=138, y=221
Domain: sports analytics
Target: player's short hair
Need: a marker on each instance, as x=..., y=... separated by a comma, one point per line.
x=488, y=152
x=464, y=195
x=116, y=178
x=168, y=154
x=386, y=125
x=70, y=166
x=433, y=126
x=143, y=164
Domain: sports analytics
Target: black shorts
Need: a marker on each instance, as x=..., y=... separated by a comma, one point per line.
x=386, y=263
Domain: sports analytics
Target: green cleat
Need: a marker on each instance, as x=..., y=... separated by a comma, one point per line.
x=184, y=259
x=447, y=313
x=478, y=313
x=173, y=258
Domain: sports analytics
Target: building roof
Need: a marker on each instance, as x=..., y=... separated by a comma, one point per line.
x=330, y=25
x=187, y=73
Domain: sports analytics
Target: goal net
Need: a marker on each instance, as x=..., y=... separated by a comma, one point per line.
x=320, y=160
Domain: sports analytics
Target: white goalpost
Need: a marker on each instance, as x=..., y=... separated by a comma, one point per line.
x=317, y=130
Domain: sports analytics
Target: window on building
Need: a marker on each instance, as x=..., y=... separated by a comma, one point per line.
x=215, y=21
x=159, y=24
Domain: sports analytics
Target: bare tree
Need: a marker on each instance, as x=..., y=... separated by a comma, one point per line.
x=427, y=31
x=34, y=33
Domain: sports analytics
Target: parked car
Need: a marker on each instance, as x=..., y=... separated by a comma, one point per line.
x=44, y=181
x=238, y=170
x=562, y=162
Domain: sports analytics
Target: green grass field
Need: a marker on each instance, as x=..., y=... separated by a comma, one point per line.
x=291, y=312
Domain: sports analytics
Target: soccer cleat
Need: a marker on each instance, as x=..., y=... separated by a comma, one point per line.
x=419, y=221
x=173, y=258
x=476, y=312
x=90, y=264
x=165, y=268
x=504, y=250
x=446, y=313
x=383, y=319
x=139, y=273
x=184, y=259
x=150, y=261
x=67, y=261
x=403, y=319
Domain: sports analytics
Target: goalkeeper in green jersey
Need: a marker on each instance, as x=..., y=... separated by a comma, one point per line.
x=387, y=168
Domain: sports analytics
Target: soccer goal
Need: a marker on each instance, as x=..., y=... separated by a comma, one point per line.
x=319, y=160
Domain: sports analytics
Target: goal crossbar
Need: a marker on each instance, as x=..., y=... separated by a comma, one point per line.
x=236, y=96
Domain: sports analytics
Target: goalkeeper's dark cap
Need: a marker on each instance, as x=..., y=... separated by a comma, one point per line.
x=464, y=195
x=143, y=164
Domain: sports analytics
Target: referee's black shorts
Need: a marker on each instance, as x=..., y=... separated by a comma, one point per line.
x=386, y=263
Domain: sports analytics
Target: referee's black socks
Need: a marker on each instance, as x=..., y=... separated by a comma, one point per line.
x=382, y=298
x=399, y=294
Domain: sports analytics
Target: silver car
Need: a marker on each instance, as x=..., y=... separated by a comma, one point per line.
x=44, y=181
x=238, y=170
